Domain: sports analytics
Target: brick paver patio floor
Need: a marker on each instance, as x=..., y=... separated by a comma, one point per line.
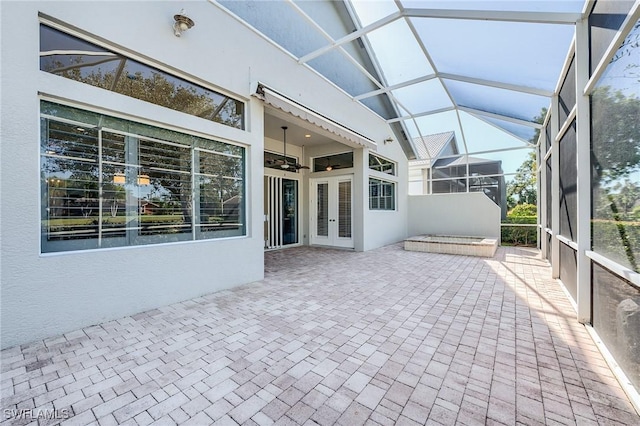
x=334, y=337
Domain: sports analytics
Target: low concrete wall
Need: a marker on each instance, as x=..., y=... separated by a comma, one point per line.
x=467, y=214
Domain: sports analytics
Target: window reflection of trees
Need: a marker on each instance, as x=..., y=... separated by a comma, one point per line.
x=123, y=189
x=82, y=61
x=615, y=136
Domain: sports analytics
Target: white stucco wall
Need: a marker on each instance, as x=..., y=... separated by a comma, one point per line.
x=382, y=227
x=468, y=214
x=44, y=295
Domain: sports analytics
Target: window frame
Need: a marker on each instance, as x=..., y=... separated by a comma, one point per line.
x=159, y=67
x=328, y=159
x=393, y=164
x=197, y=140
x=376, y=201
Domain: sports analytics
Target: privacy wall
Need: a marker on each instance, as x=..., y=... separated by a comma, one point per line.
x=465, y=213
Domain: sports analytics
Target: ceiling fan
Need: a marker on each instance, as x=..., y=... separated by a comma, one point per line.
x=331, y=166
x=284, y=164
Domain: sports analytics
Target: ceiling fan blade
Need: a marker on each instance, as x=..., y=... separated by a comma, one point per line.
x=300, y=166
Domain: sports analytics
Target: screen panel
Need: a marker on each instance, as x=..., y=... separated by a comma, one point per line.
x=605, y=20
x=616, y=319
x=567, y=98
x=615, y=157
x=568, y=183
x=568, y=269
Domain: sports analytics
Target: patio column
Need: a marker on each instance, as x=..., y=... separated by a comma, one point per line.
x=555, y=189
x=541, y=174
x=583, y=163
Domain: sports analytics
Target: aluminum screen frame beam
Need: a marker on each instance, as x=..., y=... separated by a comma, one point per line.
x=557, y=18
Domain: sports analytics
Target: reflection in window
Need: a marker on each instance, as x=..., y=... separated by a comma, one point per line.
x=79, y=60
x=382, y=195
x=273, y=160
x=615, y=303
x=333, y=162
x=108, y=182
x=383, y=165
x=615, y=112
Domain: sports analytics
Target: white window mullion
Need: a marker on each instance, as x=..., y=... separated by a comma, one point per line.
x=100, y=189
x=195, y=192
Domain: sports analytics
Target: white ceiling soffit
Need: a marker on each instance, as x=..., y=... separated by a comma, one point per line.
x=338, y=131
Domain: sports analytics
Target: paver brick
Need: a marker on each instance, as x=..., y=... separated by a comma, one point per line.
x=428, y=338
x=371, y=396
x=168, y=405
x=134, y=408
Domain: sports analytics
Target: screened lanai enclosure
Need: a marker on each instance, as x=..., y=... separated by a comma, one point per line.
x=148, y=161
x=559, y=78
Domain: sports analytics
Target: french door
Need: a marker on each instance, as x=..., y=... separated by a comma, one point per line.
x=281, y=211
x=331, y=210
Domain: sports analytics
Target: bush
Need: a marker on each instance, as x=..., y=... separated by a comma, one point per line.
x=520, y=235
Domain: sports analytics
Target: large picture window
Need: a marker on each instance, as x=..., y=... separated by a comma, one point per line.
x=108, y=182
x=79, y=60
x=382, y=195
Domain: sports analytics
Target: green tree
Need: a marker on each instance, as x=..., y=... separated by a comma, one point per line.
x=627, y=195
x=524, y=210
x=522, y=189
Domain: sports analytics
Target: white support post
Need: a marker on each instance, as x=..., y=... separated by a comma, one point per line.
x=542, y=195
x=583, y=163
x=555, y=189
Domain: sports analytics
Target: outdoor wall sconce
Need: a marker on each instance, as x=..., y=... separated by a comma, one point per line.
x=182, y=24
x=388, y=141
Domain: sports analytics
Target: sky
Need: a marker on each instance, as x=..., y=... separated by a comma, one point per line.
x=523, y=54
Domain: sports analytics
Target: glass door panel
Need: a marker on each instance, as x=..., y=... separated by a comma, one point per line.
x=281, y=212
x=322, y=229
x=331, y=212
x=344, y=209
x=289, y=211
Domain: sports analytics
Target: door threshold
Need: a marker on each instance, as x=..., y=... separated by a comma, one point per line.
x=283, y=247
x=333, y=247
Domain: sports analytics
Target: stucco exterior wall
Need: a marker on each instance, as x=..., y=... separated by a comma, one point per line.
x=384, y=227
x=466, y=214
x=47, y=294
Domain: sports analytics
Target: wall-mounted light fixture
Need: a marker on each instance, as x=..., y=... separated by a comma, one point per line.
x=182, y=24
x=388, y=140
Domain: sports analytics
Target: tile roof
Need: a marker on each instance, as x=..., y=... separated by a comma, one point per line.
x=462, y=161
x=430, y=146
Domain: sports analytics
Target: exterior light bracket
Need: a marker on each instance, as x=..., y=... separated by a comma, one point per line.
x=182, y=23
